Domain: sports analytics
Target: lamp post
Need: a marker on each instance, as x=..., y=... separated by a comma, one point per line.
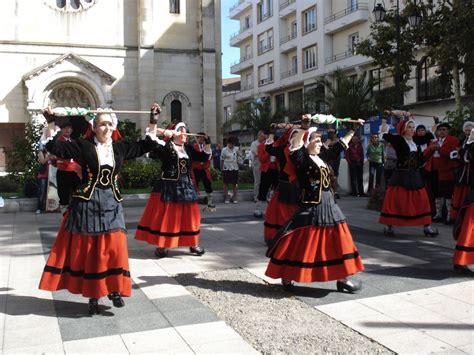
x=414, y=19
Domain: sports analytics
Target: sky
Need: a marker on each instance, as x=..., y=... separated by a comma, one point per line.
x=229, y=27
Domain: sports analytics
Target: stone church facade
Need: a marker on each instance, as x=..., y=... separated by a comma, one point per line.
x=125, y=54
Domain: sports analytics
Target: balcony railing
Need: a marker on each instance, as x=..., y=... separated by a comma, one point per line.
x=339, y=56
x=265, y=47
x=288, y=73
x=246, y=87
x=264, y=16
x=309, y=66
x=286, y=3
x=242, y=30
x=287, y=38
x=242, y=59
x=345, y=12
x=309, y=28
x=263, y=82
x=235, y=5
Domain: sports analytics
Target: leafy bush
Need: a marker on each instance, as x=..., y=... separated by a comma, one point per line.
x=246, y=176
x=128, y=130
x=8, y=184
x=216, y=174
x=457, y=119
x=140, y=173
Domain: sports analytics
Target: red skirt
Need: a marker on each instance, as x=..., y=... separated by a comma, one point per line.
x=90, y=265
x=314, y=253
x=276, y=216
x=169, y=224
x=459, y=194
x=464, y=252
x=403, y=207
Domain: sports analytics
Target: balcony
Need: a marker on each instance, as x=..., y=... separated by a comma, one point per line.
x=242, y=64
x=346, y=18
x=243, y=34
x=288, y=38
x=287, y=43
x=263, y=17
x=263, y=82
x=309, y=66
x=339, y=56
x=237, y=8
x=287, y=7
x=289, y=73
x=246, y=91
x=265, y=47
x=310, y=27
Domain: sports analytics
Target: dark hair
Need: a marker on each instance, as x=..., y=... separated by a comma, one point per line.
x=232, y=140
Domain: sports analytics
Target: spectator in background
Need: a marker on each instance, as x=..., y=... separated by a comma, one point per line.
x=335, y=163
x=216, y=156
x=261, y=137
x=44, y=158
x=230, y=169
x=355, y=160
x=375, y=155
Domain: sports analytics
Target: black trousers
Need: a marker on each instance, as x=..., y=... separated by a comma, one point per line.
x=268, y=179
x=67, y=182
x=356, y=171
x=375, y=170
x=200, y=175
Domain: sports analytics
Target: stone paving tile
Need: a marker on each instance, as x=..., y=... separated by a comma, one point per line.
x=156, y=341
x=38, y=336
x=114, y=345
x=225, y=347
x=199, y=334
x=40, y=349
x=376, y=326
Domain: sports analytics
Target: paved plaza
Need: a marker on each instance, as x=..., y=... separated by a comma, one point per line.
x=411, y=302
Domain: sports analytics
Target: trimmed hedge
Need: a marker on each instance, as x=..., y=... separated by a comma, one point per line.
x=139, y=173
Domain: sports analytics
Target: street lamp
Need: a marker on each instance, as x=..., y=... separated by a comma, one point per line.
x=414, y=19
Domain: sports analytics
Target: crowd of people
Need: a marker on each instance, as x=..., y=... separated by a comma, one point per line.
x=295, y=172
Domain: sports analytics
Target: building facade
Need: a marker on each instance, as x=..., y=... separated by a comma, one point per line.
x=125, y=54
x=286, y=45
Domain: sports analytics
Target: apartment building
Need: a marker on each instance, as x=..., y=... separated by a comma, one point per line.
x=286, y=45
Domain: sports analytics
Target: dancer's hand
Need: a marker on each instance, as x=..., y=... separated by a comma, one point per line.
x=48, y=114
x=207, y=139
x=155, y=113
x=354, y=126
x=305, y=121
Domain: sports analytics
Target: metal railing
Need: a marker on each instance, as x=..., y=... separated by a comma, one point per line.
x=246, y=87
x=242, y=30
x=286, y=3
x=287, y=38
x=309, y=28
x=339, y=56
x=235, y=5
x=265, y=48
x=242, y=59
x=288, y=73
x=263, y=82
x=309, y=66
x=345, y=12
x=264, y=16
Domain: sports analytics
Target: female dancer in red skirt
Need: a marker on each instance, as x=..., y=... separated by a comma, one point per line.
x=406, y=201
x=315, y=244
x=172, y=217
x=284, y=201
x=464, y=227
x=464, y=173
x=90, y=256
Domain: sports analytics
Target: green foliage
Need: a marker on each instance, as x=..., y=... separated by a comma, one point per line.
x=346, y=97
x=140, y=173
x=246, y=176
x=256, y=116
x=457, y=119
x=22, y=162
x=215, y=174
x=8, y=184
x=129, y=131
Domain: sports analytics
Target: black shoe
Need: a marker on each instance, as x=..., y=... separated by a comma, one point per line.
x=430, y=232
x=287, y=284
x=348, y=285
x=116, y=299
x=463, y=270
x=161, y=253
x=197, y=250
x=437, y=219
x=93, y=306
x=389, y=232
x=336, y=196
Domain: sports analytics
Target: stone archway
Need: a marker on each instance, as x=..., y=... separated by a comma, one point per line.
x=70, y=93
x=170, y=103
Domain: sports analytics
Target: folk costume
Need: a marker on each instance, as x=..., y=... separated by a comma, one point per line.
x=202, y=172
x=284, y=201
x=464, y=226
x=406, y=201
x=441, y=168
x=90, y=255
x=172, y=218
x=268, y=177
x=315, y=244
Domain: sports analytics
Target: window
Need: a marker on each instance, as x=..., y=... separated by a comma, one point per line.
x=294, y=63
x=309, y=20
x=375, y=76
x=280, y=103
x=174, y=6
x=227, y=113
x=294, y=29
x=309, y=58
x=248, y=82
x=247, y=22
x=264, y=10
x=429, y=86
x=176, y=112
x=265, y=74
x=265, y=41
x=295, y=104
x=353, y=4
x=352, y=41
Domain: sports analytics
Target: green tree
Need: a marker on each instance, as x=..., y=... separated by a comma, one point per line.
x=129, y=131
x=22, y=161
x=256, y=115
x=347, y=97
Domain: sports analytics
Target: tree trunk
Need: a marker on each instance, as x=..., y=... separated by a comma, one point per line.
x=457, y=88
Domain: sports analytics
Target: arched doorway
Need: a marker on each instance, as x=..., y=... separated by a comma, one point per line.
x=176, y=111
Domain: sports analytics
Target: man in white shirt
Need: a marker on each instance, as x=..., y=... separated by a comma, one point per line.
x=261, y=137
